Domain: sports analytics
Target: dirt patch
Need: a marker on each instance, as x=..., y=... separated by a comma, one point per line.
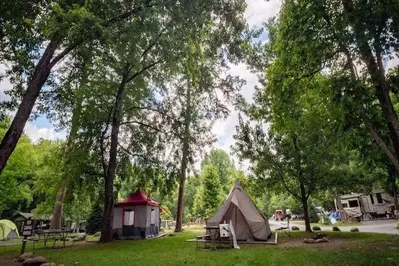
x=334, y=243
x=8, y=261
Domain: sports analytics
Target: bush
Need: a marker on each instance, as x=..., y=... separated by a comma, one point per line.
x=316, y=228
x=336, y=229
x=95, y=221
x=294, y=228
x=326, y=220
x=354, y=229
x=313, y=218
x=397, y=225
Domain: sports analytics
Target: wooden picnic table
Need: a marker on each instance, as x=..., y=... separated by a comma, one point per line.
x=54, y=235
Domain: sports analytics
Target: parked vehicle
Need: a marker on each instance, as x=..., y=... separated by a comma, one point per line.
x=368, y=206
x=279, y=215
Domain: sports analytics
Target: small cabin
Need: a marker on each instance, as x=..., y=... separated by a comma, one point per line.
x=40, y=222
x=136, y=217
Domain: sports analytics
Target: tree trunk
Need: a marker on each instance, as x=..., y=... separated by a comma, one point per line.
x=187, y=121
x=56, y=219
x=305, y=206
x=35, y=84
x=58, y=208
x=179, y=218
x=106, y=234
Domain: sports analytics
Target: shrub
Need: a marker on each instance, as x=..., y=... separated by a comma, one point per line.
x=316, y=228
x=354, y=229
x=313, y=218
x=95, y=221
x=336, y=229
x=294, y=228
x=397, y=225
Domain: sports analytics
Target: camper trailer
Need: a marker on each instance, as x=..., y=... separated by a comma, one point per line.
x=368, y=206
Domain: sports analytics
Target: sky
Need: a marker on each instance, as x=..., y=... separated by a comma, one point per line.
x=258, y=11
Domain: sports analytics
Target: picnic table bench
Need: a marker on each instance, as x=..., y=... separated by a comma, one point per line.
x=213, y=238
x=53, y=235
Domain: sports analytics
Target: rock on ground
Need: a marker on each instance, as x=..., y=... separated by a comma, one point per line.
x=28, y=261
x=37, y=261
x=294, y=228
x=308, y=240
x=322, y=240
x=49, y=264
x=354, y=229
x=25, y=256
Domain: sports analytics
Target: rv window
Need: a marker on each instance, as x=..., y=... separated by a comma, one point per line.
x=372, y=199
x=128, y=217
x=379, y=198
x=353, y=203
x=345, y=205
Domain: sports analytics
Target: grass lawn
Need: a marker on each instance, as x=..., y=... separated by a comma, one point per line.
x=344, y=249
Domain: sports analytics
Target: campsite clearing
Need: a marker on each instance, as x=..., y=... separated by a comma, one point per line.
x=344, y=249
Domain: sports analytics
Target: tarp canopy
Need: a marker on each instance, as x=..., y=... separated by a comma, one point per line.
x=8, y=230
x=248, y=222
x=137, y=198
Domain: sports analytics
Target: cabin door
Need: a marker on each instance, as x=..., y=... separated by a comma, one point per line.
x=128, y=222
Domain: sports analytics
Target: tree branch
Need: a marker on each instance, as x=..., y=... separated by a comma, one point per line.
x=153, y=43
x=66, y=51
x=374, y=132
x=142, y=70
x=287, y=188
x=154, y=110
x=129, y=13
x=129, y=152
x=142, y=124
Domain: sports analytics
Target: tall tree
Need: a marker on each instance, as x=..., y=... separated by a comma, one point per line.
x=44, y=37
x=211, y=197
x=225, y=166
x=350, y=41
x=298, y=149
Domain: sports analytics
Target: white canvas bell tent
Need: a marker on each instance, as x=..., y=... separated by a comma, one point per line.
x=247, y=220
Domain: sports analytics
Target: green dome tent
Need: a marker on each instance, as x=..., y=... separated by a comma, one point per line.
x=8, y=230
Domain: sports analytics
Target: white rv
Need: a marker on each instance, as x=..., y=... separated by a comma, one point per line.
x=377, y=204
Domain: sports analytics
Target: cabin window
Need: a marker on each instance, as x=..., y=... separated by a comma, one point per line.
x=345, y=205
x=379, y=198
x=372, y=199
x=353, y=203
x=128, y=215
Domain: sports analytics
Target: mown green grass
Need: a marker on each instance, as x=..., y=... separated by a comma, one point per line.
x=339, y=224
x=364, y=249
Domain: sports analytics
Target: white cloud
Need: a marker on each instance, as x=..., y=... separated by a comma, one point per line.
x=4, y=84
x=393, y=62
x=32, y=130
x=36, y=133
x=259, y=11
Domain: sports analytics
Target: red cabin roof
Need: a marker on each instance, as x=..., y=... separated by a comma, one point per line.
x=137, y=198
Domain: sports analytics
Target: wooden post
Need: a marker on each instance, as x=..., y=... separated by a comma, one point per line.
x=27, y=230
